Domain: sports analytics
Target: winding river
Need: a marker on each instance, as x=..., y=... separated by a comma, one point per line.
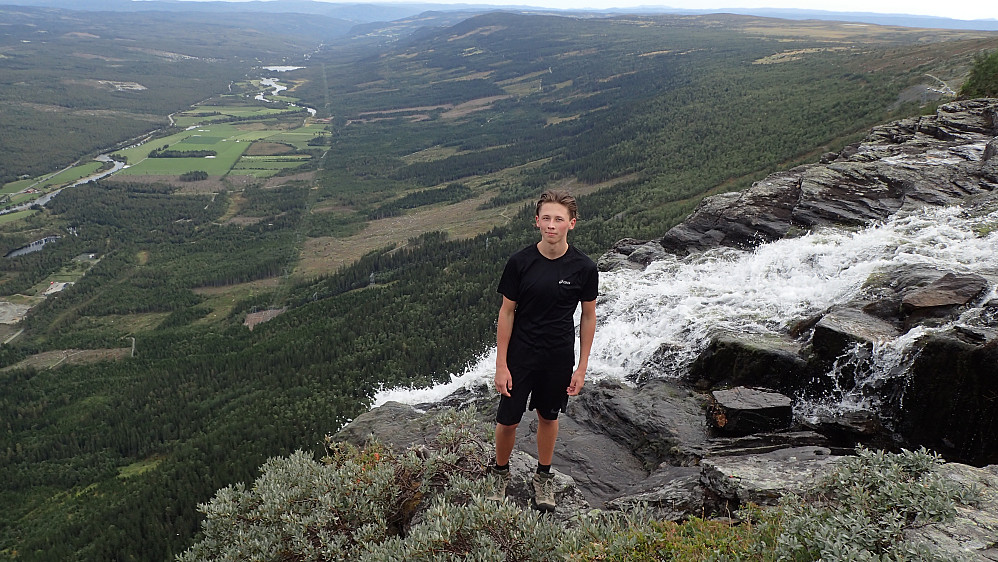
x=272, y=83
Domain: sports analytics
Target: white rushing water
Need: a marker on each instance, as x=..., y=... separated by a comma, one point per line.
x=671, y=309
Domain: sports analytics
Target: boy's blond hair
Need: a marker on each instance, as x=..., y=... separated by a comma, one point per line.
x=561, y=197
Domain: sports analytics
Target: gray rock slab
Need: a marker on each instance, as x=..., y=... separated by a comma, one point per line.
x=765, y=478
x=654, y=420
x=600, y=465
x=671, y=493
x=395, y=424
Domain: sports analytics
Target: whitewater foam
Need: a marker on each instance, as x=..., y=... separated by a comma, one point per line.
x=671, y=309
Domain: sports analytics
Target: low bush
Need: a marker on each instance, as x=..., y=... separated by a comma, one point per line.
x=427, y=504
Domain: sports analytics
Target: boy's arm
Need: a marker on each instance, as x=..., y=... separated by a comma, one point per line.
x=587, y=332
x=504, y=329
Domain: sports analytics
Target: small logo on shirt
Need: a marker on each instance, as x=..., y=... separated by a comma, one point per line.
x=564, y=282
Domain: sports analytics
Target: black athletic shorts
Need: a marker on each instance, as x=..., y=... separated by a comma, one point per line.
x=547, y=387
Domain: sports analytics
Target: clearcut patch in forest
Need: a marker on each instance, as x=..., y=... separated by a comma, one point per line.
x=53, y=359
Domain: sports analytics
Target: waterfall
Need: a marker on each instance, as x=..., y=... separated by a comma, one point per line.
x=669, y=311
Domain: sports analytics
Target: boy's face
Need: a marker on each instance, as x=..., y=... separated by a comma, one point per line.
x=554, y=223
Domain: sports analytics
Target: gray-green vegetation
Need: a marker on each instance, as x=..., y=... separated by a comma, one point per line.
x=458, y=125
x=428, y=503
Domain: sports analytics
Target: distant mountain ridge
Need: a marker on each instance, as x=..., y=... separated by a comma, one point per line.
x=371, y=12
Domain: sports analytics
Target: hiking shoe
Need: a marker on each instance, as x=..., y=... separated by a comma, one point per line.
x=544, y=491
x=502, y=480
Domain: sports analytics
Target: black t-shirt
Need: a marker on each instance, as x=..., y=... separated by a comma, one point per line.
x=546, y=293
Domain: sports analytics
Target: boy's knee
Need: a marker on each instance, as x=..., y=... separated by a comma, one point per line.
x=541, y=420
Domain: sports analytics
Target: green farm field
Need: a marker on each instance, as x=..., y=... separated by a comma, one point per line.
x=200, y=116
x=49, y=180
x=229, y=140
x=228, y=152
x=12, y=217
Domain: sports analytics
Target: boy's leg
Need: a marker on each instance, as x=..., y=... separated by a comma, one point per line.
x=547, y=435
x=509, y=413
x=505, y=440
x=543, y=481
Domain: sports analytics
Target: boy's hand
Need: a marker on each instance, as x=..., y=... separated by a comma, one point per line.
x=578, y=380
x=504, y=381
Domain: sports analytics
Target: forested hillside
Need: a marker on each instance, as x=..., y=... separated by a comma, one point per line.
x=384, y=255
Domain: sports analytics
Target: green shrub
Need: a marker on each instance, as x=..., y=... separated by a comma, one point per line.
x=983, y=80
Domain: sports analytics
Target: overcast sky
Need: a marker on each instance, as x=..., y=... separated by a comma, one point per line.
x=956, y=9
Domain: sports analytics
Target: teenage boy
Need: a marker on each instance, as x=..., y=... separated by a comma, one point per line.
x=542, y=286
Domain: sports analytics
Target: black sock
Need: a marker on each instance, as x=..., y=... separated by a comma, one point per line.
x=545, y=468
x=503, y=467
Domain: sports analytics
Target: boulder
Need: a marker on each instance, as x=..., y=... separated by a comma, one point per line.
x=671, y=493
x=393, y=423
x=570, y=501
x=844, y=327
x=845, y=193
x=990, y=150
x=743, y=411
x=631, y=254
x=750, y=360
x=647, y=253
x=942, y=298
x=739, y=220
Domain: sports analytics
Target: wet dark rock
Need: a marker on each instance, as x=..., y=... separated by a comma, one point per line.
x=949, y=404
x=849, y=429
x=744, y=411
x=737, y=360
x=942, y=298
x=844, y=327
x=662, y=364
